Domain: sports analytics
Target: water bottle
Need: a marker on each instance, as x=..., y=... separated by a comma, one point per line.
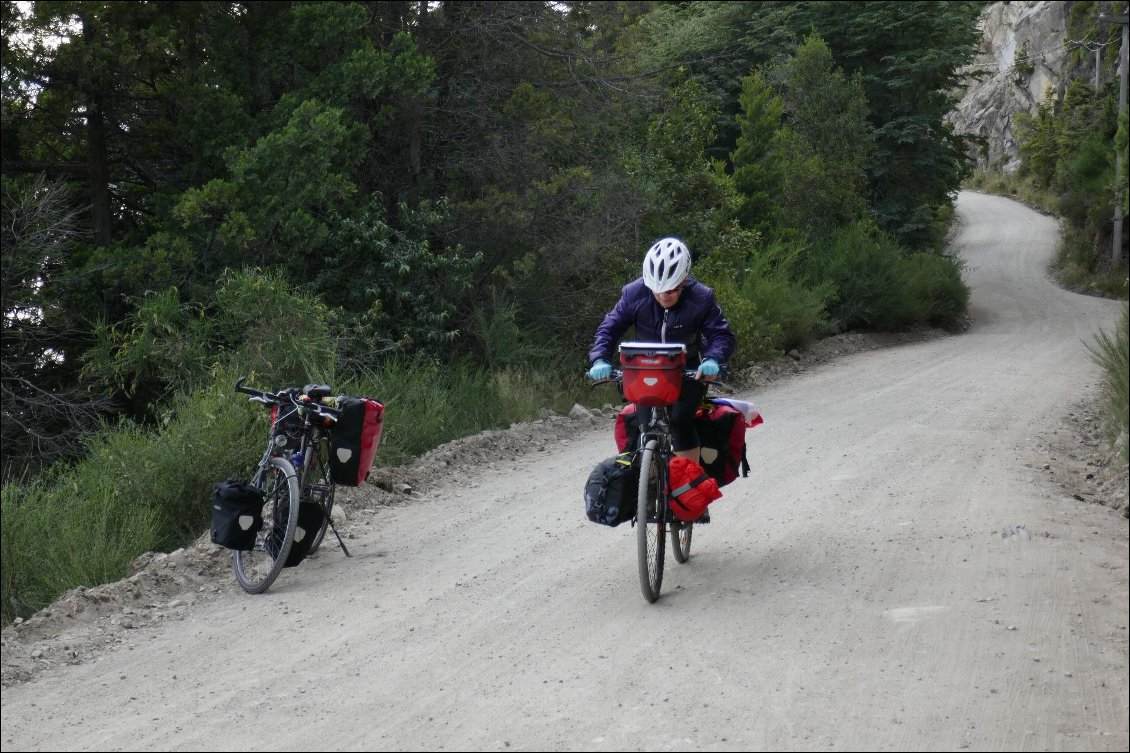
x=296, y=461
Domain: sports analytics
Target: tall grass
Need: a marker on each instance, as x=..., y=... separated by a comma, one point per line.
x=79, y=530
x=1112, y=353
x=143, y=489
x=428, y=402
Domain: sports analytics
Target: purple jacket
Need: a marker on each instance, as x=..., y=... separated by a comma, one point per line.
x=696, y=321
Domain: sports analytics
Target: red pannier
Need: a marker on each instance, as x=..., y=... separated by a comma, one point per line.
x=354, y=440
x=692, y=489
x=721, y=432
x=721, y=426
x=653, y=372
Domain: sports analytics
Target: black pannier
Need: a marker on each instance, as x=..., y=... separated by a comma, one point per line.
x=310, y=519
x=237, y=514
x=354, y=440
x=610, y=492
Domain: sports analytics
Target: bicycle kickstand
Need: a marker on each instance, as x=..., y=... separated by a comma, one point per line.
x=339, y=541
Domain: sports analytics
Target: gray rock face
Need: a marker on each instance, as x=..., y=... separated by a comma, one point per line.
x=1024, y=55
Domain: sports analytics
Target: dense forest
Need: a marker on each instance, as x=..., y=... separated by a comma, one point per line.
x=444, y=196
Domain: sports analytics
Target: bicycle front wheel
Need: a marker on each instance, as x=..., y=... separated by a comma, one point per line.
x=681, y=540
x=257, y=568
x=651, y=520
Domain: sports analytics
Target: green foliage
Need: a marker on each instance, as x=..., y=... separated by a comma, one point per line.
x=397, y=292
x=1039, y=138
x=1086, y=180
x=1111, y=351
x=255, y=322
x=688, y=195
x=768, y=309
x=1022, y=64
x=502, y=343
x=758, y=157
x=137, y=490
x=1070, y=150
x=909, y=56
x=827, y=113
x=1121, y=140
x=874, y=289
x=81, y=529
x=936, y=280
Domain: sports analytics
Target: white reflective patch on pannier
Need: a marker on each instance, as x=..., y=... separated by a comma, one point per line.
x=344, y=454
x=246, y=521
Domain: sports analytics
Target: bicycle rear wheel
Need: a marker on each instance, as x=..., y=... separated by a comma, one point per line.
x=681, y=540
x=319, y=487
x=257, y=568
x=651, y=520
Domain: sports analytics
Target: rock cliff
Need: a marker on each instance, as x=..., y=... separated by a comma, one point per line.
x=1022, y=55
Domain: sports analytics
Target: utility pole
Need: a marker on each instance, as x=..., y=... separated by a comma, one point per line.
x=1116, y=250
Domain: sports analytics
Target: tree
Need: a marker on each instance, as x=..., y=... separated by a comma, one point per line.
x=759, y=156
x=826, y=181
x=908, y=56
x=45, y=414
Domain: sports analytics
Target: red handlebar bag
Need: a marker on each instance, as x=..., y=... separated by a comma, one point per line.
x=354, y=440
x=692, y=489
x=653, y=372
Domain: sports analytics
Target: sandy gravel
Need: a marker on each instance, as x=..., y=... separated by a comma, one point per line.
x=857, y=592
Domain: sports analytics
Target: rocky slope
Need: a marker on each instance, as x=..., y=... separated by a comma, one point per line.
x=1023, y=55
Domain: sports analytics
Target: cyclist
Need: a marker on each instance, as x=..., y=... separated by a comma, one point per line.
x=666, y=304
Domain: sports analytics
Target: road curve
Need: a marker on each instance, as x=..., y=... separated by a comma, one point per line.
x=855, y=593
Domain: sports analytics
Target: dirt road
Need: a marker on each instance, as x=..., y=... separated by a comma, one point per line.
x=855, y=593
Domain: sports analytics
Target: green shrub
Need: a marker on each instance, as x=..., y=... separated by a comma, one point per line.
x=255, y=318
x=768, y=308
x=936, y=279
x=872, y=283
x=138, y=489
x=1112, y=353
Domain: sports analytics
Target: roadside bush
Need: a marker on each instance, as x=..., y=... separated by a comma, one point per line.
x=871, y=280
x=1112, y=353
x=769, y=310
x=138, y=489
x=936, y=279
x=255, y=318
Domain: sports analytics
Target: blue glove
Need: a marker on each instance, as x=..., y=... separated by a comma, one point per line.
x=709, y=367
x=601, y=369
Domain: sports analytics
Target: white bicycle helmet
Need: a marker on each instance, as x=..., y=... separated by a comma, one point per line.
x=666, y=264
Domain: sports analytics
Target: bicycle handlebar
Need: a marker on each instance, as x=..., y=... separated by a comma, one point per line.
x=618, y=374
x=284, y=396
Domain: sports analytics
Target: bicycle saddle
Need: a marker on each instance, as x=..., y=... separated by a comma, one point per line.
x=317, y=391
